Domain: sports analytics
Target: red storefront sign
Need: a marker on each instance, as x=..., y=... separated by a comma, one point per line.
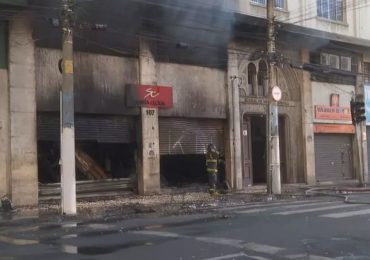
x=334, y=129
x=333, y=113
x=149, y=96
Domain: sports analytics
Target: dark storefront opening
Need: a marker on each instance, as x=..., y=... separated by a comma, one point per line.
x=95, y=161
x=183, y=147
x=178, y=170
x=104, y=147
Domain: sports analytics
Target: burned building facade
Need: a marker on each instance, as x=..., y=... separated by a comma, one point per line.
x=212, y=58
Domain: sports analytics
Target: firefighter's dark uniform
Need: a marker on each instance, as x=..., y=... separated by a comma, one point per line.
x=212, y=157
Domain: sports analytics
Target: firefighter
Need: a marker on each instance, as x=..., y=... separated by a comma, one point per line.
x=212, y=158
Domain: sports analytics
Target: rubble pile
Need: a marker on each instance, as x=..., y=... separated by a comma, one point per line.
x=172, y=202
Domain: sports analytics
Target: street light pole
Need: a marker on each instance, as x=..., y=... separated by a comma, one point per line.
x=68, y=171
x=273, y=152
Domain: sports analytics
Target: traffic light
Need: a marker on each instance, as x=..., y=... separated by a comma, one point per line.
x=360, y=111
x=357, y=111
x=353, y=112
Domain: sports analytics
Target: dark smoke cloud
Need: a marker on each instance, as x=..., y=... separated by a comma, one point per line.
x=182, y=31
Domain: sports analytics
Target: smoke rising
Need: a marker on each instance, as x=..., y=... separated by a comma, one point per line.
x=181, y=31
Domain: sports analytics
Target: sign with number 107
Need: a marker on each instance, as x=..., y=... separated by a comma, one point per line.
x=150, y=112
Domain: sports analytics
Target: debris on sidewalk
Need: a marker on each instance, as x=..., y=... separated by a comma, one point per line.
x=180, y=203
x=172, y=201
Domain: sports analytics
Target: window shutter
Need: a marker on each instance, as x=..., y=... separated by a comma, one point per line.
x=345, y=63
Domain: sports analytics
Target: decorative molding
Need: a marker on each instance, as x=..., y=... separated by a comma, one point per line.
x=264, y=101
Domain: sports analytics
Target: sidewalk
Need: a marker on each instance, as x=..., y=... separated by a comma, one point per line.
x=172, y=201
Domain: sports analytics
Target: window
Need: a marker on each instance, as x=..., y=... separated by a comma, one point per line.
x=330, y=60
x=261, y=79
x=367, y=72
x=257, y=80
x=336, y=61
x=345, y=63
x=278, y=3
x=330, y=9
x=251, y=79
x=262, y=2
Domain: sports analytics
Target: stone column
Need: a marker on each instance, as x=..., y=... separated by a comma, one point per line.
x=23, y=144
x=307, y=126
x=234, y=172
x=4, y=114
x=149, y=157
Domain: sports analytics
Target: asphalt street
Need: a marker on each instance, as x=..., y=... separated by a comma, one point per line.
x=316, y=229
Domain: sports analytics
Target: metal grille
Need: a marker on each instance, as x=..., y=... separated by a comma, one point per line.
x=189, y=136
x=102, y=129
x=333, y=155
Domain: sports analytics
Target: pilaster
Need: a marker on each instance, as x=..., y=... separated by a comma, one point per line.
x=22, y=85
x=307, y=119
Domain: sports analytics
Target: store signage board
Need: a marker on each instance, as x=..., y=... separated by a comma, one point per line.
x=149, y=96
x=333, y=113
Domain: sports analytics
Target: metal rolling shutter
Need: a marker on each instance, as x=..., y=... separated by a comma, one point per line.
x=333, y=155
x=103, y=129
x=48, y=127
x=189, y=136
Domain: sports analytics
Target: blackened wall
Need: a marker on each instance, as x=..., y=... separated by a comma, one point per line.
x=101, y=80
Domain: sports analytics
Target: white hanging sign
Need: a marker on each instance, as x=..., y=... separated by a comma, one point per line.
x=276, y=93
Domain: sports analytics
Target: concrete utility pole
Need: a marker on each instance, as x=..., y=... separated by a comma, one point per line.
x=359, y=121
x=360, y=160
x=273, y=152
x=68, y=170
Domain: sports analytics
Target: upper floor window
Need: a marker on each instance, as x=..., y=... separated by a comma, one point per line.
x=336, y=61
x=331, y=9
x=252, y=75
x=261, y=79
x=278, y=3
x=367, y=72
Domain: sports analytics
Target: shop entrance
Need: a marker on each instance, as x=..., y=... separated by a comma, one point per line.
x=183, y=146
x=254, y=150
x=105, y=148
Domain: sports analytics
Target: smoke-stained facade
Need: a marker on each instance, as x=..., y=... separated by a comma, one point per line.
x=212, y=55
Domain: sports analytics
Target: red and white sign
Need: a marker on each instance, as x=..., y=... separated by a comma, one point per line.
x=149, y=96
x=333, y=113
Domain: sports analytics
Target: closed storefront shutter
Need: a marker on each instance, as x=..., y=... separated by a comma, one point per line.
x=333, y=155
x=102, y=129
x=189, y=136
